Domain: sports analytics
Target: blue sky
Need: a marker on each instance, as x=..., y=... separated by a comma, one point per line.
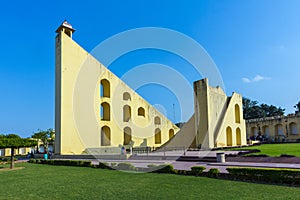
x=255, y=44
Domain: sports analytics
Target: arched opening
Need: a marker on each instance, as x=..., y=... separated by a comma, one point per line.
x=238, y=137
x=23, y=150
x=157, y=136
x=105, y=111
x=254, y=132
x=126, y=113
x=104, y=88
x=237, y=113
x=171, y=133
x=141, y=111
x=293, y=128
x=228, y=136
x=157, y=120
x=105, y=136
x=41, y=149
x=266, y=131
x=126, y=96
x=279, y=130
x=127, y=135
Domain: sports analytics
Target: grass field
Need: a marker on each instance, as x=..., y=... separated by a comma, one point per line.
x=277, y=149
x=62, y=182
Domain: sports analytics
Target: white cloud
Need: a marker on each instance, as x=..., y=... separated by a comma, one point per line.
x=258, y=78
x=255, y=79
x=246, y=80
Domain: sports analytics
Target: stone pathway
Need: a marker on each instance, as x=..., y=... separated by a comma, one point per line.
x=169, y=157
x=179, y=165
x=264, y=165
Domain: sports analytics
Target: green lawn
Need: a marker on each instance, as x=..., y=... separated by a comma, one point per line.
x=62, y=182
x=278, y=149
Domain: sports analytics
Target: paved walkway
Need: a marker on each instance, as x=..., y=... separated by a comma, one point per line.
x=188, y=153
x=180, y=165
x=183, y=165
x=143, y=160
x=264, y=165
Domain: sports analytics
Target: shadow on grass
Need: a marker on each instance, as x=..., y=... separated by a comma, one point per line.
x=5, y=167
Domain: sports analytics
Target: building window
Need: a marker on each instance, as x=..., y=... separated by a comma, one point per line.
x=237, y=113
x=126, y=96
x=279, y=130
x=266, y=131
x=105, y=111
x=293, y=128
x=127, y=135
x=157, y=120
x=238, y=137
x=141, y=111
x=254, y=132
x=228, y=136
x=157, y=136
x=104, y=88
x=171, y=133
x=105, y=136
x=126, y=113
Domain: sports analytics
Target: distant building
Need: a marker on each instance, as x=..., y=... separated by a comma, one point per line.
x=17, y=151
x=275, y=129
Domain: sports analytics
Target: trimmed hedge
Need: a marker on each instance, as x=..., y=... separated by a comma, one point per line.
x=165, y=169
x=78, y=163
x=271, y=175
x=213, y=172
x=86, y=163
x=7, y=159
x=197, y=170
x=103, y=165
x=126, y=167
x=182, y=172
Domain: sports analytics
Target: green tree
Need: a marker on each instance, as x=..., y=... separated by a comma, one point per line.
x=253, y=110
x=270, y=110
x=297, y=106
x=14, y=141
x=46, y=136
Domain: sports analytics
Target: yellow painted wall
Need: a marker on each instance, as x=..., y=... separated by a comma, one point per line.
x=214, y=113
x=78, y=101
x=20, y=151
x=184, y=137
x=79, y=124
x=289, y=127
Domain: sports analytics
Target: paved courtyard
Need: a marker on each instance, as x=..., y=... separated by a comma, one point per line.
x=184, y=165
x=171, y=158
